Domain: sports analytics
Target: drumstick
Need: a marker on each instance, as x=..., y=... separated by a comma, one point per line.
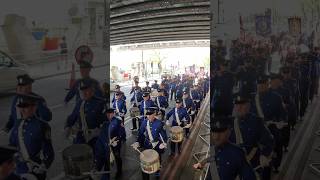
x=138, y=151
x=161, y=138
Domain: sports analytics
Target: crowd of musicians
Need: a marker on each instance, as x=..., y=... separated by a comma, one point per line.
x=99, y=125
x=254, y=110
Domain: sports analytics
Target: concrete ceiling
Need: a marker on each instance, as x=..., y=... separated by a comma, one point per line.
x=140, y=21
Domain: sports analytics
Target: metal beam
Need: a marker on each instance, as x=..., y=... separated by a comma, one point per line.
x=161, y=26
x=148, y=32
x=163, y=21
x=156, y=39
x=160, y=14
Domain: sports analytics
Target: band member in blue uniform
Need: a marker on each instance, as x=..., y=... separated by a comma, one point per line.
x=189, y=105
x=161, y=103
x=24, y=86
x=180, y=118
x=226, y=161
x=136, y=102
x=85, y=69
x=146, y=103
x=32, y=137
x=269, y=106
x=292, y=85
x=222, y=84
x=151, y=136
x=173, y=89
x=120, y=106
x=155, y=85
x=116, y=136
x=135, y=87
x=249, y=132
x=117, y=90
x=102, y=148
x=196, y=96
x=87, y=116
x=247, y=77
x=276, y=86
x=147, y=88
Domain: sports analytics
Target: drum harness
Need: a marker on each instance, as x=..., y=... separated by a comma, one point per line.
x=261, y=115
x=87, y=133
x=239, y=140
x=117, y=109
x=23, y=149
x=154, y=144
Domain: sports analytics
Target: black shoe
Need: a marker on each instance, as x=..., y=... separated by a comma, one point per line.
x=133, y=129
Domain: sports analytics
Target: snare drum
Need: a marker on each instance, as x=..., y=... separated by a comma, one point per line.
x=154, y=94
x=134, y=112
x=176, y=134
x=77, y=159
x=149, y=161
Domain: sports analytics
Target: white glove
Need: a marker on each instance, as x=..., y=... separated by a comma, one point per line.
x=40, y=170
x=264, y=161
x=114, y=143
x=280, y=125
x=135, y=145
x=167, y=123
x=163, y=146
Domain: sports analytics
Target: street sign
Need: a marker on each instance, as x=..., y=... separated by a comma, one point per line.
x=83, y=53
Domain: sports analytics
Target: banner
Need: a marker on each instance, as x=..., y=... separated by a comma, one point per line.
x=263, y=25
x=294, y=25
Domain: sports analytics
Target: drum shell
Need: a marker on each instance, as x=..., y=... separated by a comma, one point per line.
x=152, y=165
x=134, y=112
x=176, y=133
x=77, y=158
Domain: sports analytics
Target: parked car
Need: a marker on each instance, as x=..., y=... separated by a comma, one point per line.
x=9, y=70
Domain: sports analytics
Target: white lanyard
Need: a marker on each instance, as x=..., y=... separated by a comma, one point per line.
x=117, y=108
x=258, y=105
x=239, y=139
x=144, y=108
x=177, y=116
x=23, y=148
x=149, y=131
x=135, y=97
x=83, y=121
x=191, y=95
x=158, y=102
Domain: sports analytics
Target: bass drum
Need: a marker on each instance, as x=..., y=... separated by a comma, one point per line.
x=77, y=159
x=176, y=134
x=149, y=161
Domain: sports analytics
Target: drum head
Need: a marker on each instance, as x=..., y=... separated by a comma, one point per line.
x=176, y=129
x=149, y=155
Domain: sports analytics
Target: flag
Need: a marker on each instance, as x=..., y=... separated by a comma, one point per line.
x=263, y=25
